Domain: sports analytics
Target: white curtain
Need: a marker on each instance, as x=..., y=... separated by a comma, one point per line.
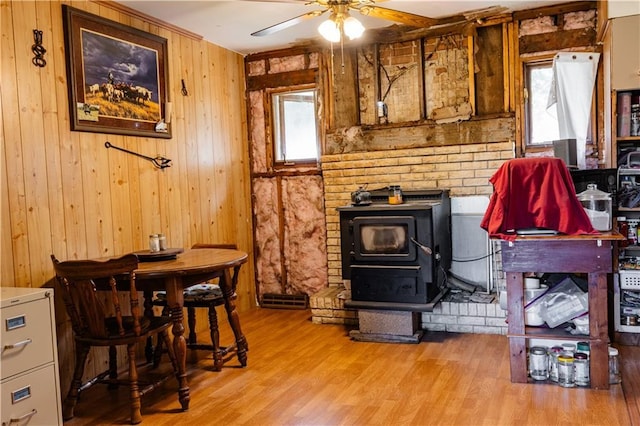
x=574, y=75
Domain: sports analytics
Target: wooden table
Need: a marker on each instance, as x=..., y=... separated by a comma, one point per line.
x=191, y=267
x=590, y=254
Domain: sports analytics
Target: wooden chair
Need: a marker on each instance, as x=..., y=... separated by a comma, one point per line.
x=206, y=295
x=96, y=325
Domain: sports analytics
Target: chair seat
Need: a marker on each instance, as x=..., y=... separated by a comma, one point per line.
x=197, y=293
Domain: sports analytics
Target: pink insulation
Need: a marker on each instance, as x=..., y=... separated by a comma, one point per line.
x=256, y=68
x=305, y=234
x=288, y=63
x=258, y=134
x=268, y=253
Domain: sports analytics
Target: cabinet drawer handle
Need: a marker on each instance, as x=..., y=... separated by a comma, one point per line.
x=21, y=418
x=18, y=345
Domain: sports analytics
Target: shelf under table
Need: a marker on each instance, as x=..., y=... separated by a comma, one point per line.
x=590, y=254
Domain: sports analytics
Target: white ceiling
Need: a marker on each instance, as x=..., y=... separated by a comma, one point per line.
x=230, y=23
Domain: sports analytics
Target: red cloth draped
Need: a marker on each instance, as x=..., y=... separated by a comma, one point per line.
x=534, y=193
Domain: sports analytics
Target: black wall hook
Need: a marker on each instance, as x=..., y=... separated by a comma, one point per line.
x=158, y=162
x=38, y=49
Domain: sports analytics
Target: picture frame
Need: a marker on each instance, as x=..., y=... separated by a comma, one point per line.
x=117, y=77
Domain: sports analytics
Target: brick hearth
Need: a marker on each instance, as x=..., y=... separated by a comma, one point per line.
x=452, y=316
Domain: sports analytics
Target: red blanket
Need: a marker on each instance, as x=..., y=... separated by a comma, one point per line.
x=534, y=193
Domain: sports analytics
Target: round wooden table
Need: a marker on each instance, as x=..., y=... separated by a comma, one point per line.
x=191, y=267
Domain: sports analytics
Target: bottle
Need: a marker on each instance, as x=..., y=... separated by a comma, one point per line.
x=566, y=373
x=632, y=236
x=154, y=243
x=614, y=366
x=623, y=229
x=581, y=369
x=538, y=363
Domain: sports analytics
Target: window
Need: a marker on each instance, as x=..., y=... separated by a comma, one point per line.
x=295, y=134
x=541, y=124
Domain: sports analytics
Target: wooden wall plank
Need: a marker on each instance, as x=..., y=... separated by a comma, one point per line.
x=63, y=192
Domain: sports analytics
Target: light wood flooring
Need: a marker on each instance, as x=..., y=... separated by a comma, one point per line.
x=300, y=373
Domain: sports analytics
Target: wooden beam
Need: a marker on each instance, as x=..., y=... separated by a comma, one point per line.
x=485, y=129
x=283, y=79
x=472, y=67
x=558, y=40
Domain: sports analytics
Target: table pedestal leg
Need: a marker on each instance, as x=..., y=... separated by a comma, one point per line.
x=175, y=302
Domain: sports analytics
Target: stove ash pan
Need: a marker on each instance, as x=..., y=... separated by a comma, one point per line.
x=397, y=254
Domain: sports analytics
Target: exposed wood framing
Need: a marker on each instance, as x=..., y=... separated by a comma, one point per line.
x=488, y=129
x=283, y=79
x=472, y=68
x=506, y=58
x=518, y=84
x=513, y=54
x=421, y=82
x=559, y=40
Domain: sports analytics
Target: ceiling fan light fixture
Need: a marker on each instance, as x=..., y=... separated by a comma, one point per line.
x=330, y=31
x=353, y=28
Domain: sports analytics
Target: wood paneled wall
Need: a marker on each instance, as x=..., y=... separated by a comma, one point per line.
x=64, y=193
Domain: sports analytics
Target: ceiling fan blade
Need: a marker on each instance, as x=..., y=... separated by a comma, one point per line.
x=398, y=16
x=288, y=23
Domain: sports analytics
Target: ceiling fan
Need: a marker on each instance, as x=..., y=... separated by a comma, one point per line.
x=341, y=23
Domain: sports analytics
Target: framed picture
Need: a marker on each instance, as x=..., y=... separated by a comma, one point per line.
x=117, y=77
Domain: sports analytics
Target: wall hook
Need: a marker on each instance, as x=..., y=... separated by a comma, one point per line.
x=158, y=162
x=38, y=49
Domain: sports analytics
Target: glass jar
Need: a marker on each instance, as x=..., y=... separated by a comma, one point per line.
x=154, y=243
x=395, y=194
x=566, y=373
x=554, y=352
x=538, y=363
x=162, y=242
x=569, y=348
x=597, y=205
x=583, y=347
x=581, y=369
x=614, y=366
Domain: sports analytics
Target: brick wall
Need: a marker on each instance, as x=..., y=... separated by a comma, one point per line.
x=463, y=169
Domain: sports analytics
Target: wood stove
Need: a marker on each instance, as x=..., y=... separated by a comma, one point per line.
x=397, y=255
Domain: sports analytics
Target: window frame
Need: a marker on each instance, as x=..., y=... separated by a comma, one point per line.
x=527, y=65
x=275, y=142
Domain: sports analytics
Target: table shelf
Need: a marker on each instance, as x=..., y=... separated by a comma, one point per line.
x=590, y=254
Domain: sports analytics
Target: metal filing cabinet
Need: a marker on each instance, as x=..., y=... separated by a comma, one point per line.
x=29, y=384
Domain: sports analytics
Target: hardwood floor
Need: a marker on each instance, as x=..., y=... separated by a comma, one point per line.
x=300, y=373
